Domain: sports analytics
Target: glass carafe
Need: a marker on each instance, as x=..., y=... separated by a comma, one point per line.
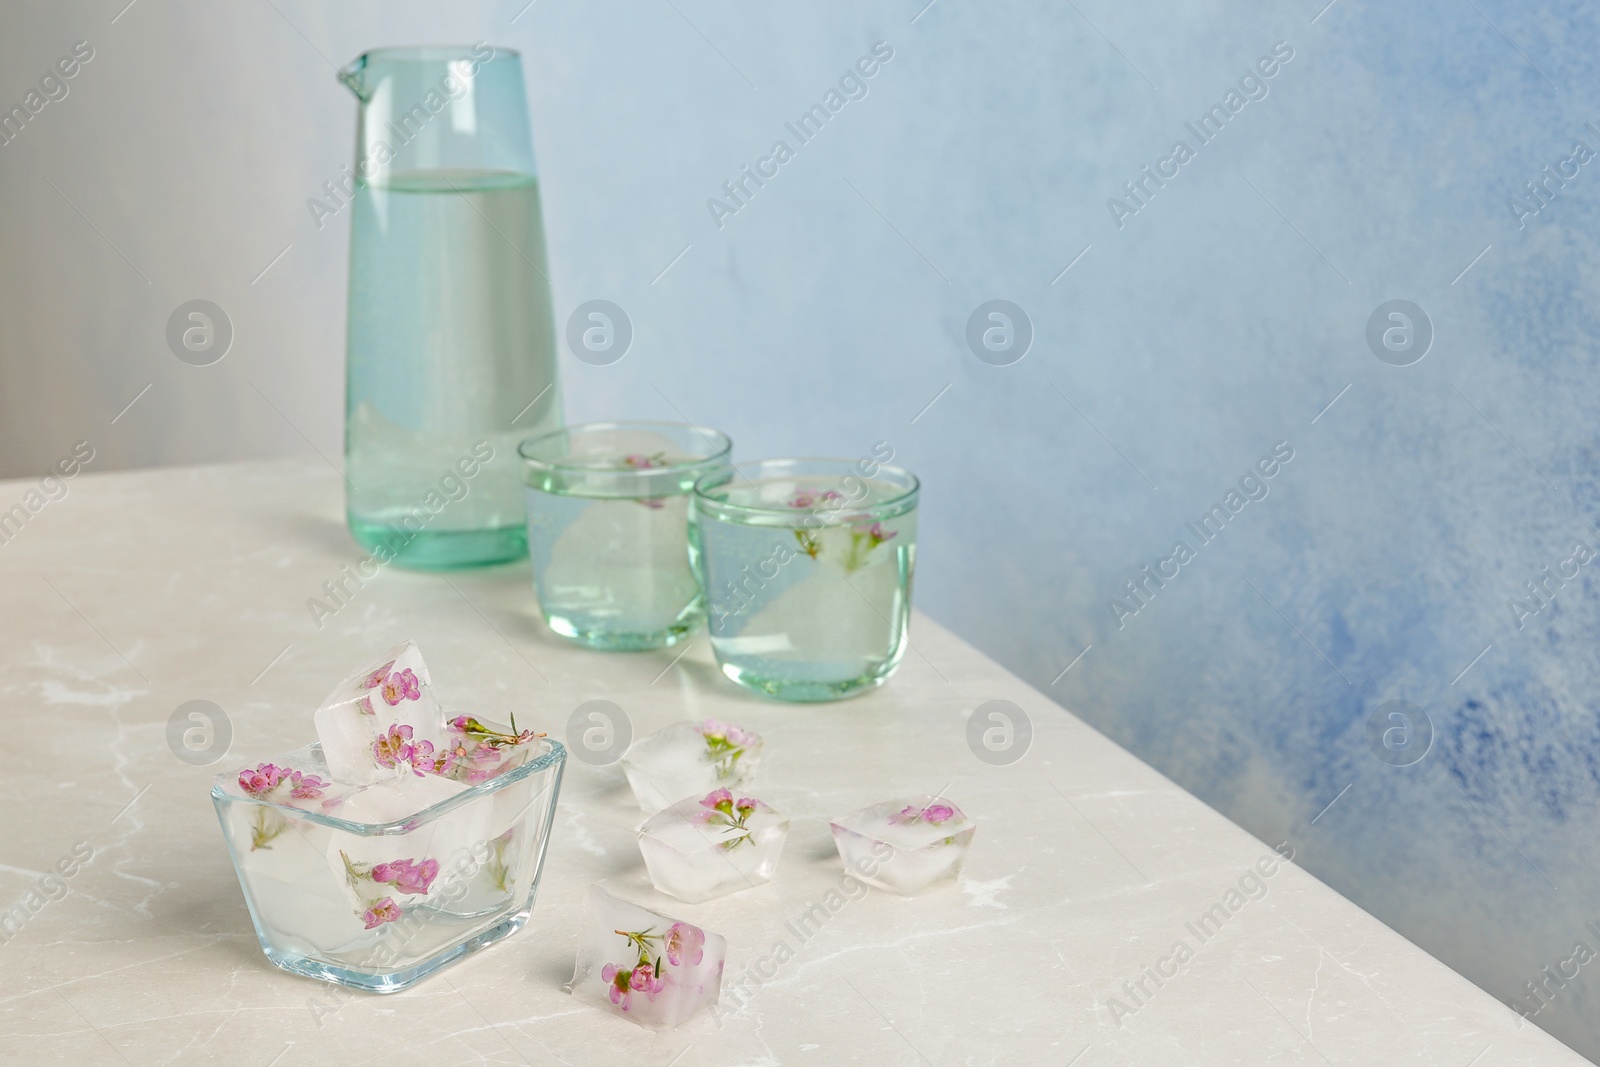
x=450, y=356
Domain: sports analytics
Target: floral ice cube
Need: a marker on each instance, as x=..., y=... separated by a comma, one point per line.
x=381, y=720
x=377, y=873
x=382, y=874
x=299, y=779
x=689, y=759
x=701, y=848
x=904, y=845
x=647, y=967
x=474, y=750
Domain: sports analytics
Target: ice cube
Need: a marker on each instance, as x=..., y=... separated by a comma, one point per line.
x=904, y=845
x=645, y=966
x=382, y=875
x=689, y=759
x=396, y=799
x=380, y=719
x=826, y=618
x=296, y=780
x=476, y=750
x=623, y=558
x=706, y=847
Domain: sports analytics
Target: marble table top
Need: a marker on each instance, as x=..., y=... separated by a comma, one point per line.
x=1104, y=916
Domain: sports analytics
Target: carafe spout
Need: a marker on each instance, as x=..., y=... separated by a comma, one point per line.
x=353, y=74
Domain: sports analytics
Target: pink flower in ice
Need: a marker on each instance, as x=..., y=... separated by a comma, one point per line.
x=717, y=802
x=469, y=727
x=477, y=752
x=685, y=944
x=401, y=686
x=725, y=743
x=375, y=679
x=618, y=979
x=263, y=780
x=307, y=786
x=421, y=877
x=395, y=747
x=449, y=762
x=384, y=911
x=421, y=757
x=484, y=762
x=412, y=877
x=640, y=462
x=810, y=498
x=406, y=876
x=723, y=811
x=719, y=733
x=644, y=980
x=933, y=813
x=364, y=705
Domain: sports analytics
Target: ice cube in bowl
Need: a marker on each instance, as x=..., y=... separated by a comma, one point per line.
x=380, y=718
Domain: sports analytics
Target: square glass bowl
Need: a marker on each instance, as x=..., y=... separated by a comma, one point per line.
x=378, y=887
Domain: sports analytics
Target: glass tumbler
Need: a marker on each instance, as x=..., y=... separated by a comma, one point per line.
x=807, y=567
x=608, y=507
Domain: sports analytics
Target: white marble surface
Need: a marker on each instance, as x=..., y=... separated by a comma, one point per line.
x=139, y=591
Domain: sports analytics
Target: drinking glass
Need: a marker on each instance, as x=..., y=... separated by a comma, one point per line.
x=806, y=565
x=608, y=507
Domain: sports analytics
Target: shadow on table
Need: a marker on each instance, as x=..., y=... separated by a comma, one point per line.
x=200, y=906
x=327, y=534
x=553, y=971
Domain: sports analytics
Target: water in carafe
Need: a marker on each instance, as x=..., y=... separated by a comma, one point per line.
x=451, y=347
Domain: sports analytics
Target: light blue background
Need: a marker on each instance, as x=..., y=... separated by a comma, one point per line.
x=828, y=313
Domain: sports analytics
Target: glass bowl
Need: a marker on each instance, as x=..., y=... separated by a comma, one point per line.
x=378, y=887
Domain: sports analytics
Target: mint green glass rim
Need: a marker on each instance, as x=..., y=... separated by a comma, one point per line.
x=811, y=468
x=556, y=457
x=434, y=53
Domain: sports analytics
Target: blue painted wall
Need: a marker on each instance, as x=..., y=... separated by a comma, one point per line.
x=1217, y=322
